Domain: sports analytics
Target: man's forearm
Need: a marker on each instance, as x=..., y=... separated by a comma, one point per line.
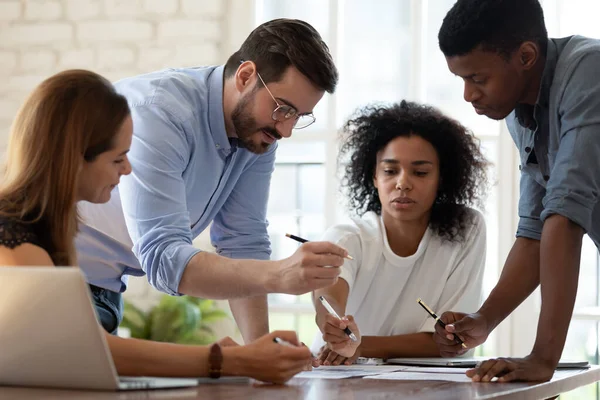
x=520, y=276
x=411, y=345
x=212, y=276
x=559, y=272
x=251, y=316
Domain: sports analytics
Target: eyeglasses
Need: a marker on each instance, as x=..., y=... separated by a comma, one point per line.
x=283, y=112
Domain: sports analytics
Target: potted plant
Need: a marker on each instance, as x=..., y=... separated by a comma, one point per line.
x=175, y=319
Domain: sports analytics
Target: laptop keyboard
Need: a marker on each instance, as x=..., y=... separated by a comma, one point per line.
x=137, y=382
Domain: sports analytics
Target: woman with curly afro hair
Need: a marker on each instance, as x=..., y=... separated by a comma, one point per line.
x=411, y=176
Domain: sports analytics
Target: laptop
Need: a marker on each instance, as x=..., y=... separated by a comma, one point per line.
x=469, y=362
x=50, y=336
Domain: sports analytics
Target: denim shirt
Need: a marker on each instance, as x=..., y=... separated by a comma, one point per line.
x=559, y=140
x=186, y=174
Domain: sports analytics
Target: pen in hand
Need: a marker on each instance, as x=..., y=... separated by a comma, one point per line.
x=302, y=240
x=283, y=342
x=440, y=322
x=330, y=309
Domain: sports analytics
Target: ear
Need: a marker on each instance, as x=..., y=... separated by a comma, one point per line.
x=245, y=76
x=528, y=54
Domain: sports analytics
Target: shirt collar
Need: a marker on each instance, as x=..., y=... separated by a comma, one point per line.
x=524, y=112
x=216, y=118
x=548, y=76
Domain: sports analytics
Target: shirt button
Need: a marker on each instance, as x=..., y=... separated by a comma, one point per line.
x=528, y=149
x=520, y=167
x=218, y=146
x=546, y=178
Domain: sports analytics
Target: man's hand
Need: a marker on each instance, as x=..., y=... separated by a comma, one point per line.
x=472, y=329
x=306, y=270
x=530, y=368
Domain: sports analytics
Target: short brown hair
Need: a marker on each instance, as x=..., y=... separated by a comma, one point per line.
x=280, y=43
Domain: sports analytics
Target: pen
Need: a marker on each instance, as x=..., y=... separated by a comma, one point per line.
x=283, y=342
x=440, y=322
x=302, y=240
x=332, y=312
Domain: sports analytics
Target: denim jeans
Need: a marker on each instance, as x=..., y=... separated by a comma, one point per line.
x=109, y=308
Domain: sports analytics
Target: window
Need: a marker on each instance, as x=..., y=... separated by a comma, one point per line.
x=385, y=51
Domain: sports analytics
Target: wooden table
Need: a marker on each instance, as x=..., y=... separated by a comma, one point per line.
x=345, y=389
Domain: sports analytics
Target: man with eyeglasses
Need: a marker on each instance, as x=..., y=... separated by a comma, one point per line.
x=203, y=152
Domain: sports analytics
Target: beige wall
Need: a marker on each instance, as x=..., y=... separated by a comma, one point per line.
x=116, y=38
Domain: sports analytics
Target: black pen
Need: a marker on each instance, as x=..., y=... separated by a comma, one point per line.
x=302, y=240
x=440, y=322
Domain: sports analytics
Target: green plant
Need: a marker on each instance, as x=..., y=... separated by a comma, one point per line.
x=176, y=319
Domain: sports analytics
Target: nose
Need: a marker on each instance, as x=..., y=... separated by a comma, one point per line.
x=403, y=182
x=284, y=128
x=126, y=167
x=471, y=93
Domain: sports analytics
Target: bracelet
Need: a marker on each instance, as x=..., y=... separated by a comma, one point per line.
x=215, y=361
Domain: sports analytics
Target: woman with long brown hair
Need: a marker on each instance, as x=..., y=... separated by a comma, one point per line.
x=69, y=143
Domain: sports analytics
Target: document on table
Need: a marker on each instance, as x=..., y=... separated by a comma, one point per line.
x=422, y=376
x=426, y=374
x=437, y=370
x=347, y=371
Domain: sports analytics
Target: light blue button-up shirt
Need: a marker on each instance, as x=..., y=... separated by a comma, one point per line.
x=186, y=174
x=559, y=140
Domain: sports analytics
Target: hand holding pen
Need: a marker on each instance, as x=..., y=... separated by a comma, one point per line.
x=302, y=240
x=283, y=342
x=441, y=323
x=304, y=271
x=341, y=334
x=472, y=328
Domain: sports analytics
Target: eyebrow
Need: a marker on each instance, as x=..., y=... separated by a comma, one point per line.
x=471, y=76
x=416, y=163
x=123, y=153
x=289, y=103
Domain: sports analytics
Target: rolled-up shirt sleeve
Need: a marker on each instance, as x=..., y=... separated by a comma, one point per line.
x=154, y=197
x=530, y=207
x=239, y=229
x=574, y=184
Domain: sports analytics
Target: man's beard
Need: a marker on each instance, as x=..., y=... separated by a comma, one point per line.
x=246, y=127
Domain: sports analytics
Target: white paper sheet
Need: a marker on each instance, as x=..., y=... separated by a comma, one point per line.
x=438, y=370
x=347, y=371
x=422, y=376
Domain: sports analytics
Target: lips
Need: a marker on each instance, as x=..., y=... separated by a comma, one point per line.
x=478, y=109
x=268, y=137
x=403, y=200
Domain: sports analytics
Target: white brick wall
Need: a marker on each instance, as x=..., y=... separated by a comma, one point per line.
x=10, y=10
x=116, y=38
x=43, y=10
